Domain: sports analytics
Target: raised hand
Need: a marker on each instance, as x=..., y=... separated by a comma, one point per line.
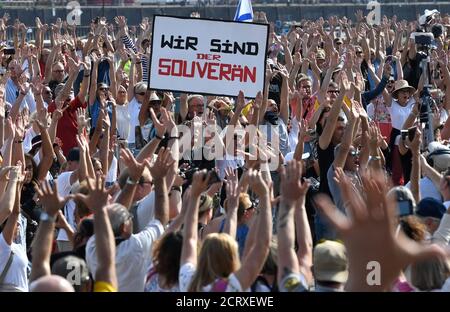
x=200, y=181
x=82, y=121
x=135, y=168
x=49, y=198
x=291, y=187
x=97, y=197
x=159, y=126
x=368, y=232
x=162, y=164
x=257, y=183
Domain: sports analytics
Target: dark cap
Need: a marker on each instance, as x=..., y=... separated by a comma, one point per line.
x=74, y=154
x=437, y=30
x=430, y=207
x=36, y=141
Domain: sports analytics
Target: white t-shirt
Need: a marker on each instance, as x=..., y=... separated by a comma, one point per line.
x=123, y=121
x=133, y=257
x=133, y=109
x=293, y=134
x=17, y=273
x=111, y=177
x=29, y=135
x=145, y=211
x=186, y=275
x=64, y=187
x=427, y=189
x=399, y=113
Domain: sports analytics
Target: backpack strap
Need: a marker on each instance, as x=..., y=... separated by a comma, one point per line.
x=150, y=274
x=220, y=285
x=7, y=266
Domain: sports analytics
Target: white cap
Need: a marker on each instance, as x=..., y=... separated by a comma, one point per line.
x=428, y=13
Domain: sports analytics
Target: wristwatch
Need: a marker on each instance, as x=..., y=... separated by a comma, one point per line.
x=374, y=158
x=46, y=217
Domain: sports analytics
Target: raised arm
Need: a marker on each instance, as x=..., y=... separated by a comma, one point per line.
x=104, y=237
x=254, y=260
x=47, y=148
x=330, y=125
x=42, y=243
x=292, y=193
x=190, y=231
x=9, y=207
x=284, y=97
x=347, y=140
x=232, y=203
x=415, y=170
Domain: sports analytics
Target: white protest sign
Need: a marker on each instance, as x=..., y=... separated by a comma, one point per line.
x=208, y=56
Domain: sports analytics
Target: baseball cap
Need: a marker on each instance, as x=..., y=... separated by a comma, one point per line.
x=330, y=262
x=440, y=155
x=36, y=141
x=74, y=154
x=430, y=207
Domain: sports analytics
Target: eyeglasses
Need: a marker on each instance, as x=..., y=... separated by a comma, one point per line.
x=391, y=81
x=141, y=93
x=104, y=89
x=306, y=87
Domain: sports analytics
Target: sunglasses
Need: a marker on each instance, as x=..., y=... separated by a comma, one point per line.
x=104, y=89
x=333, y=91
x=141, y=93
x=354, y=153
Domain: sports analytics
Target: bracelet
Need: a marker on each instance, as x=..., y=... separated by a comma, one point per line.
x=374, y=158
x=173, y=138
x=138, y=63
x=46, y=217
x=87, y=75
x=158, y=137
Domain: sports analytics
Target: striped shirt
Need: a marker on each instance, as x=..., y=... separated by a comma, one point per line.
x=130, y=45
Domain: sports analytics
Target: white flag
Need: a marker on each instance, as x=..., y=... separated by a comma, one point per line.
x=244, y=11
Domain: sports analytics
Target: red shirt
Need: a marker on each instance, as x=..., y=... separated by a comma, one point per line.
x=67, y=129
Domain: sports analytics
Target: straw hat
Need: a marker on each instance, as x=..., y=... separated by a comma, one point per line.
x=402, y=85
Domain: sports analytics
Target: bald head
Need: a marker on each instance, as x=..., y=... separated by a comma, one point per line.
x=51, y=283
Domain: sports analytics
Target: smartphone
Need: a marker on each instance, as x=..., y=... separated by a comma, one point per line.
x=410, y=134
x=405, y=208
x=9, y=51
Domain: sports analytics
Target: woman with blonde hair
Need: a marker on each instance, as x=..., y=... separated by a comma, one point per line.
x=217, y=267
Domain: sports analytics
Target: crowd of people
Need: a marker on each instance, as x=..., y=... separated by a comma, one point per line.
x=99, y=192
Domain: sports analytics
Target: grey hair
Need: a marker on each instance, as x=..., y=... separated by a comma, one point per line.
x=405, y=191
x=118, y=214
x=194, y=96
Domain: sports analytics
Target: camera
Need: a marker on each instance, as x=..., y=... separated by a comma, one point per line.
x=421, y=38
x=410, y=134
